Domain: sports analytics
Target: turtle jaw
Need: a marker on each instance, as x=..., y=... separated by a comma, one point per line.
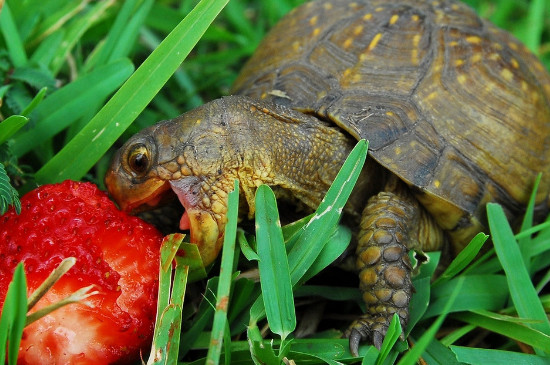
x=206, y=225
x=135, y=198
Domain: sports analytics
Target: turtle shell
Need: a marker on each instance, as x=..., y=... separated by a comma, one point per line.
x=454, y=106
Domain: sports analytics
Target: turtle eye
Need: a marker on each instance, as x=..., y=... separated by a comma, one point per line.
x=139, y=159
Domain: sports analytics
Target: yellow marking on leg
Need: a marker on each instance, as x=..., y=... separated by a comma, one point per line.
x=394, y=19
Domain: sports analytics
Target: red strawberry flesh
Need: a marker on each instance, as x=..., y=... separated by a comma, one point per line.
x=116, y=252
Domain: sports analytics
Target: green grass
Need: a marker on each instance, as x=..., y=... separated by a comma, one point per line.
x=79, y=79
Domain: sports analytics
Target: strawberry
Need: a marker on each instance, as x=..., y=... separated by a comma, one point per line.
x=117, y=253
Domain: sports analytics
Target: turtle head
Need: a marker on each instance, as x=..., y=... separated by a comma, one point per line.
x=194, y=156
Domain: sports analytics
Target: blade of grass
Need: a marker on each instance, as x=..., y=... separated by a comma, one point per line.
x=79, y=155
x=76, y=29
x=391, y=337
x=16, y=49
x=412, y=356
x=66, y=105
x=273, y=265
x=509, y=328
x=226, y=272
x=114, y=37
x=326, y=217
x=489, y=292
x=13, y=316
x=522, y=291
x=10, y=126
x=463, y=259
x=171, y=294
x=470, y=355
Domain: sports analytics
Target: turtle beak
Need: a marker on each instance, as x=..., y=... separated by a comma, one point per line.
x=133, y=198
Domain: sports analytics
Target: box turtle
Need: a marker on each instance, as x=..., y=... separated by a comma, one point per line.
x=457, y=113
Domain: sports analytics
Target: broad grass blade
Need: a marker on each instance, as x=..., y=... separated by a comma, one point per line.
x=522, y=291
x=222, y=296
x=273, y=265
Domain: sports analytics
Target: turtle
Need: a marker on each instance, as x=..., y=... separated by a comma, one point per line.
x=456, y=111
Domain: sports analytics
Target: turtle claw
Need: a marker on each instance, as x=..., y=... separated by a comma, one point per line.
x=364, y=329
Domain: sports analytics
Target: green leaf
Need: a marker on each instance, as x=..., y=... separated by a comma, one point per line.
x=35, y=101
x=226, y=272
x=10, y=126
x=391, y=337
x=470, y=355
x=12, y=38
x=13, y=316
x=412, y=356
x=273, y=265
x=79, y=155
x=166, y=337
x=66, y=105
x=522, y=291
x=463, y=259
x=488, y=292
x=8, y=195
x=510, y=327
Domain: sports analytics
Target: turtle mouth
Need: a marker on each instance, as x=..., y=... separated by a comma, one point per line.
x=159, y=196
x=201, y=222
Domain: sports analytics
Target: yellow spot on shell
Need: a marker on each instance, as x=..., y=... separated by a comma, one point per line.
x=535, y=96
x=327, y=6
x=198, y=121
x=348, y=42
x=353, y=5
x=347, y=72
x=453, y=43
x=379, y=9
x=507, y=74
x=514, y=63
x=437, y=183
x=394, y=19
x=263, y=96
x=397, y=150
x=415, y=18
x=358, y=30
x=367, y=16
x=473, y=39
x=539, y=66
x=313, y=20
x=459, y=63
x=497, y=46
x=316, y=32
x=513, y=45
x=416, y=39
x=461, y=79
x=432, y=95
x=296, y=45
x=455, y=7
x=494, y=57
x=374, y=41
x=390, y=113
x=476, y=57
x=524, y=86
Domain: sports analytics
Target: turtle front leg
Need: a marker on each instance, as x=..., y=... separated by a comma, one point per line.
x=392, y=224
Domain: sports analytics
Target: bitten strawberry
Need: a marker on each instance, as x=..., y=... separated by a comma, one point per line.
x=117, y=253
